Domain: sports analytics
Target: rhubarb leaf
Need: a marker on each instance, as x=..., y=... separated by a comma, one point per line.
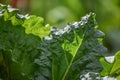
x=76, y=49
x=18, y=49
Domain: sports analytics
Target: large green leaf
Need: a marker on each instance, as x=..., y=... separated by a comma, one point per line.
x=19, y=50
x=76, y=49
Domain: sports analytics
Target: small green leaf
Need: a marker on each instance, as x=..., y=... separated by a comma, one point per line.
x=111, y=69
x=116, y=67
x=106, y=67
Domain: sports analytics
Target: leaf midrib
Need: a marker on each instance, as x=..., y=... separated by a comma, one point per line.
x=63, y=78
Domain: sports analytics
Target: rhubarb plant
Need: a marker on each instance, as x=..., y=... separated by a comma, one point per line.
x=20, y=40
x=31, y=50
x=76, y=49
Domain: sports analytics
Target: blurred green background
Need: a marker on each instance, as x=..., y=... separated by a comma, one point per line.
x=61, y=12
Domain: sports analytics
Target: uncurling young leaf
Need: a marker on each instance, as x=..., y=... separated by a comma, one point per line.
x=76, y=49
x=35, y=25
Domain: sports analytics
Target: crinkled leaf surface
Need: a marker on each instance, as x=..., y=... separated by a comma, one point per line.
x=19, y=50
x=76, y=49
x=35, y=25
x=65, y=54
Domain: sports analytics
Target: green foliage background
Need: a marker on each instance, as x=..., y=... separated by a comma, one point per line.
x=60, y=12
